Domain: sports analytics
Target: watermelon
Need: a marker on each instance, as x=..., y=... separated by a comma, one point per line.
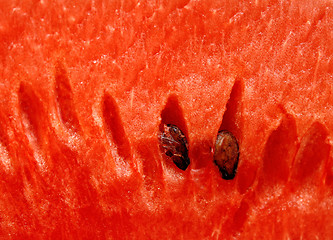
x=86, y=86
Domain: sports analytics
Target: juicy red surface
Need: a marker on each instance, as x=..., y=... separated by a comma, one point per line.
x=85, y=86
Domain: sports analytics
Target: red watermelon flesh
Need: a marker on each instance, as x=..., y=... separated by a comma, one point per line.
x=85, y=86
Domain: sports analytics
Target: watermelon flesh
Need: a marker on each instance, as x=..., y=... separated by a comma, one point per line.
x=85, y=86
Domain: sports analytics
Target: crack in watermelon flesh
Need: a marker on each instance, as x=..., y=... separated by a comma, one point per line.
x=84, y=87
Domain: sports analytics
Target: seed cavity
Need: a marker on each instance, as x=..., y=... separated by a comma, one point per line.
x=279, y=153
x=114, y=127
x=226, y=154
x=64, y=97
x=32, y=113
x=174, y=144
x=312, y=155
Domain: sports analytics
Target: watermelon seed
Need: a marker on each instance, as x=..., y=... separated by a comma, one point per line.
x=226, y=154
x=174, y=144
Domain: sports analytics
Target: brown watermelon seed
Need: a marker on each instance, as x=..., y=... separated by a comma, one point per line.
x=226, y=154
x=175, y=146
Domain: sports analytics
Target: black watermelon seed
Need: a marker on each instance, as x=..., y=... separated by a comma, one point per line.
x=174, y=144
x=226, y=154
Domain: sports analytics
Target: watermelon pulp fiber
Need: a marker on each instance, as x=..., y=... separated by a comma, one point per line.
x=85, y=86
